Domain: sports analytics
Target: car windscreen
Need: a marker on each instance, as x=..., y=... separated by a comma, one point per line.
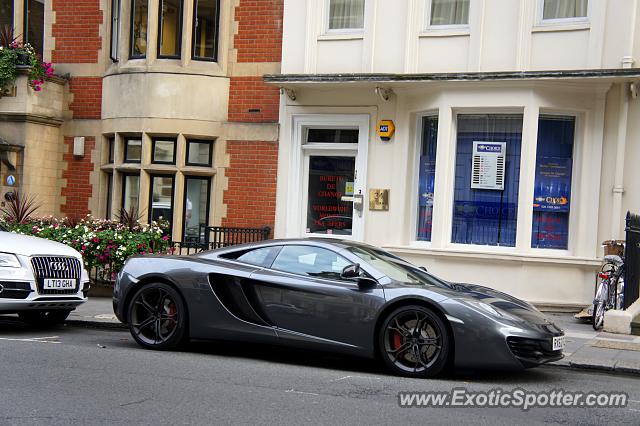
x=396, y=268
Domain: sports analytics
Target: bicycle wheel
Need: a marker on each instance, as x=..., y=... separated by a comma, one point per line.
x=599, y=305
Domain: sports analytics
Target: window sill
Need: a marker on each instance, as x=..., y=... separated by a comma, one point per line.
x=561, y=26
x=445, y=32
x=497, y=255
x=359, y=35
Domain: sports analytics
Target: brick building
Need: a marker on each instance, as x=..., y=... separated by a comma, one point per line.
x=163, y=101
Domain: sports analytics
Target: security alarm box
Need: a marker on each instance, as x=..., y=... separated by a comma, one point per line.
x=488, y=165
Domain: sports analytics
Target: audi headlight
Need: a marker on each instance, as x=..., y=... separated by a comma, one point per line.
x=491, y=311
x=9, y=260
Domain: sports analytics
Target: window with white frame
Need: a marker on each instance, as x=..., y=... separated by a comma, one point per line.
x=562, y=10
x=448, y=12
x=346, y=15
x=487, y=179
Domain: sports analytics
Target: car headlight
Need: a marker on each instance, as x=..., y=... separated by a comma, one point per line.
x=9, y=260
x=492, y=311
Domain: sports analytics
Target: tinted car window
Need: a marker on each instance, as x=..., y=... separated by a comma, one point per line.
x=259, y=257
x=312, y=261
x=396, y=268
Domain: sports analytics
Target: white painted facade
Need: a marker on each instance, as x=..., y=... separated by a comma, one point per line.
x=331, y=78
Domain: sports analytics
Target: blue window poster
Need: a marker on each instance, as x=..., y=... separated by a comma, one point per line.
x=552, y=191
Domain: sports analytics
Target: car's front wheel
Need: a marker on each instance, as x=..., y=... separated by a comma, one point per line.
x=157, y=317
x=414, y=342
x=44, y=318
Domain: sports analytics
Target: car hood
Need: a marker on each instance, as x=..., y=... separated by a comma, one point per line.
x=30, y=246
x=500, y=300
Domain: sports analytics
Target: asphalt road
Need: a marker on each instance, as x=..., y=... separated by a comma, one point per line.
x=73, y=375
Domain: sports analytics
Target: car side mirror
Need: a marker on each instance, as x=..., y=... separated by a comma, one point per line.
x=352, y=272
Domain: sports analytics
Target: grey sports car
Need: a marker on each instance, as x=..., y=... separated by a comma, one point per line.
x=332, y=295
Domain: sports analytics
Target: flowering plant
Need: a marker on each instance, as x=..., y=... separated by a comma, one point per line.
x=104, y=244
x=14, y=53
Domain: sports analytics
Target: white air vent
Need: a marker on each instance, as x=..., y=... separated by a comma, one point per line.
x=488, y=165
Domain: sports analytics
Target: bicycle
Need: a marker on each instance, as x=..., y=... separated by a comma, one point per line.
x=610, y=290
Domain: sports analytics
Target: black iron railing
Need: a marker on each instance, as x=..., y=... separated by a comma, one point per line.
x=632, y=260
x=213, y=237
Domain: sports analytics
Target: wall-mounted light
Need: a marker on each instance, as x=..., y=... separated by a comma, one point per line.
x=384, y=93
x=78, y=146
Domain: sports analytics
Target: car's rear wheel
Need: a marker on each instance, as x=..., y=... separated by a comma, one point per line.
x=44, y=318
x=157, y=317
x=414, y=342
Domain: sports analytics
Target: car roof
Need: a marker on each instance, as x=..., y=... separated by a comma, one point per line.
x=334, y=243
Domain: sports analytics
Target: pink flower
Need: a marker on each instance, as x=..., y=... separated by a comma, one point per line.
x=166, y=238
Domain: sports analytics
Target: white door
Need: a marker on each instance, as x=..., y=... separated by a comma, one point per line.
x=332, y=177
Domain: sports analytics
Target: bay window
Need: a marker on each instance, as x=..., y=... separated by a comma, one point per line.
x=427, y=176
x=487, y=177
x=205, y=30
x=448, y=12
x=552, y=191
x=346, y=14
x=169, y=28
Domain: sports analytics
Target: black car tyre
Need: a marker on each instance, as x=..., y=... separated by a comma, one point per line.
x=157, y=317
x=44, y=318
x=414, y=341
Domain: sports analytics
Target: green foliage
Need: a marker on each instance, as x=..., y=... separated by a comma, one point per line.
x=13, y=54
x=19, y=207
x=103, y=244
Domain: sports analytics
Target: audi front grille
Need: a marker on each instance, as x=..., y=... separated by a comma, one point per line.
x=56, y=267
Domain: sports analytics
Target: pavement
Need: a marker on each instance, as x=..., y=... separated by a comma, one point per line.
x=585, y=349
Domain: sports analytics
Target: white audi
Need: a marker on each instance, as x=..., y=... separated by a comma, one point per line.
x=40, y=280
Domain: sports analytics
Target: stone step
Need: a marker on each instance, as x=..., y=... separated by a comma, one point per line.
x=635, y=326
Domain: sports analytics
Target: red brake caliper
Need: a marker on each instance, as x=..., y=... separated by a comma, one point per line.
x=172, y=312
x=397, y=340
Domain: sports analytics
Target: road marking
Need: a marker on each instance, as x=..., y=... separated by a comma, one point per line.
x=304, y=393
x=33, y=340
x=341, y=378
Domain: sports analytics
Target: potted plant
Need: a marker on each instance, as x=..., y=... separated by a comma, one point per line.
x=14, y=55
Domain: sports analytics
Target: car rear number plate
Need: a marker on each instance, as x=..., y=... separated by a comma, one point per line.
x=558, y=343
x=59, y=284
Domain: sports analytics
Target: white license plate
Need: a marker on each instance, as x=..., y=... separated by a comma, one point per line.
x=59, y=284
x=558, y=343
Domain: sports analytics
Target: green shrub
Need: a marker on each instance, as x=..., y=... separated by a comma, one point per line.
x=103, y=244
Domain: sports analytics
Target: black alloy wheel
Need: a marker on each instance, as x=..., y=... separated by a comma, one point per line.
x=157, y=317
x=414, y=342
x=44, y=318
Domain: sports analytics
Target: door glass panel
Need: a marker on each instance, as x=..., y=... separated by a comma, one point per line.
x=313, y=261
x=330, y=178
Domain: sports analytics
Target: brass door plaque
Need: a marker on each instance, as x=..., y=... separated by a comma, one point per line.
x=379, y=199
